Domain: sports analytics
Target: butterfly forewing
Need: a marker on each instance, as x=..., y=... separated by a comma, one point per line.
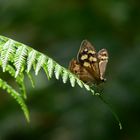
x=87, y=56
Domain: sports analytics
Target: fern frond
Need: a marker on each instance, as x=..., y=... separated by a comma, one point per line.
x=41, y=60
x=31, y=59
x=57, y=71
x=16, y=96
x=31, y=79
x=72, y=80
x=20, y=82
x=19, y=79
x=65, y=76
x=80, y=83
x=34, y=58
x=19, y=60
x=50, y=65
x=7, y=52
x=45, y=67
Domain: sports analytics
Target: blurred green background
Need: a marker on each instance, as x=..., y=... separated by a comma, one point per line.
x=56, y=28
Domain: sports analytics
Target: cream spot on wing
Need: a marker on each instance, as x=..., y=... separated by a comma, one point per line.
x=91, y=52
x=104, y=53
x=86, y=64
x=85, y=50
x=92, y=59
x=104, y=57
x=83, y=57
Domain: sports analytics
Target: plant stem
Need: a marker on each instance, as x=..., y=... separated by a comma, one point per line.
x=114, y=113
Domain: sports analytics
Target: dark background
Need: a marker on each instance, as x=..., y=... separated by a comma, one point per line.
x=56, y=28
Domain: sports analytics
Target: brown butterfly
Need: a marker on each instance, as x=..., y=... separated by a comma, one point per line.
x=90, y=66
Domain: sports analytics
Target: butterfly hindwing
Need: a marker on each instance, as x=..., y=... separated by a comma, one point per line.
x=76, y=68
x=103, y=60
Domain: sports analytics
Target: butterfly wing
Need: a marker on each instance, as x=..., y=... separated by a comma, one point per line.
x=103, y=60
x=76, y=68
x=87, y=57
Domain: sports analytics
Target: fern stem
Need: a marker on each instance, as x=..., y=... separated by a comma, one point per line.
x=31, y=79
x=112, y=111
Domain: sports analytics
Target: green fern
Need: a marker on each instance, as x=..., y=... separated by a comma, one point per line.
x=16, y=96
x=41, y=60
x=31, y=59
x=18, y=59
x=6, y=53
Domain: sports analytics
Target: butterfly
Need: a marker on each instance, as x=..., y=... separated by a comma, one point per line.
x=90, y=66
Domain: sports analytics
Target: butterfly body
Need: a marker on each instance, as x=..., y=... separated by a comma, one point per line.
x=90, y=66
